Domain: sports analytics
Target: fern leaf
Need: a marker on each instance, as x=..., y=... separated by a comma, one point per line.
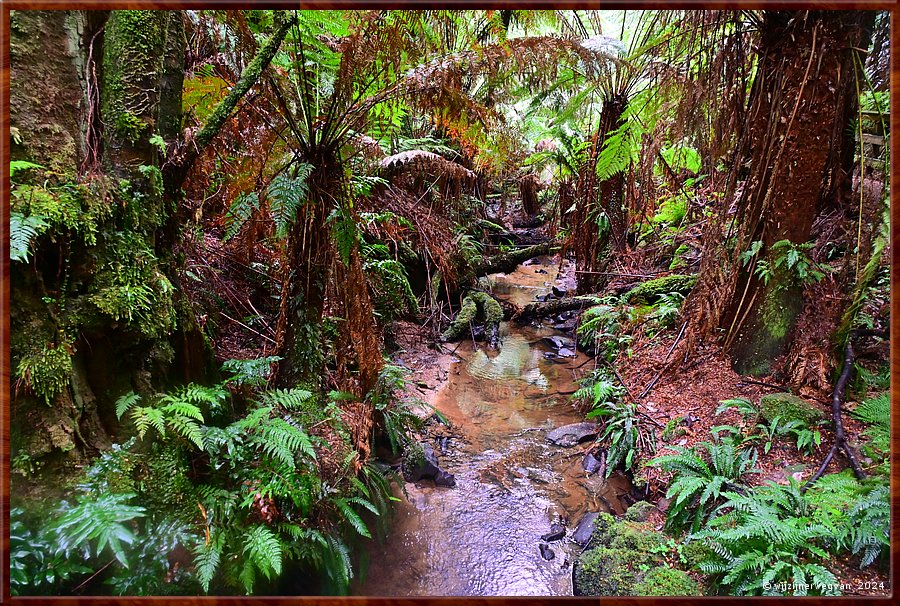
x=22, y=230
x=263, y=548
x=241, y=209
x=126, y=402
x=286, y=195
x=352, y=517
x=207, y=558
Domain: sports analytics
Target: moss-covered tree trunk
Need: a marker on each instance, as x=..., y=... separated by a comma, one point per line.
x=796, y=107
x=94, y=307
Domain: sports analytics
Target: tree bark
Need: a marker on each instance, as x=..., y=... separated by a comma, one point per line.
x=794, y=113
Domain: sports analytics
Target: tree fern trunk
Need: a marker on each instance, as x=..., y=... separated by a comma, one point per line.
x=794, y=115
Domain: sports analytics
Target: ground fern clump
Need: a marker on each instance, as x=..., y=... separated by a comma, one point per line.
x=280, y=485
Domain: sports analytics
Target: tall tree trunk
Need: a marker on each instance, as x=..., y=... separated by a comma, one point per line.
x=600, y=219
x=797, y=116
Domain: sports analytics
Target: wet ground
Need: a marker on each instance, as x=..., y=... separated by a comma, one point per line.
x=481, y=538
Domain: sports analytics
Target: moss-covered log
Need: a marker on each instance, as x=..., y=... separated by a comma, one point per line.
x=509, y=261
x=478, y=308
x=651, y=290
x=544, y=309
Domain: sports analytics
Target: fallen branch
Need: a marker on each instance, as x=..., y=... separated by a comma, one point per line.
x=840, y=438
x=507, y=262
x=542, y=309
x=668, y=353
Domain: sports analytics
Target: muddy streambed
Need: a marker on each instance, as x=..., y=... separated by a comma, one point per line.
x=482, y=537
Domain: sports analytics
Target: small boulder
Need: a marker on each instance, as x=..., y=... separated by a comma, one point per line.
x=570, y=435
x=557, y=531
x=639, y=512
x=585, y=528
x=590, y=463
x=789, y=407
x=546, y=552
x=559, y=292
x=420, y=463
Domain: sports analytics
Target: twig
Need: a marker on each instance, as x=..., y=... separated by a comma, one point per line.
x=259, y=334
x=763, y=383
x=90, y=578
x=631, y=395
x=668, y=353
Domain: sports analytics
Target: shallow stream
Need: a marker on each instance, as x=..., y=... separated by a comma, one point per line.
x=481, y=538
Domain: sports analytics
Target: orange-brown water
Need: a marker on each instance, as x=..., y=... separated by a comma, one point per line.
x=481, y=537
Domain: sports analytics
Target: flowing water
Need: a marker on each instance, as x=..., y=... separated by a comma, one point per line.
x=481, y=537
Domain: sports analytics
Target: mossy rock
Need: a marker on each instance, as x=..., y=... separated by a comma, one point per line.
x=650, y=291
x=603, y=571
x=639, y=512
x=789, y=407
x=666, y=582
x=625, y=550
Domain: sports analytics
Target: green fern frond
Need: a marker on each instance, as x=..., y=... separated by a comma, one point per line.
x=126, y=402
x=207, y=557
x=352, y=517
x=22, y=231
x=286, y=195
x=263, y=549
x=240, y=211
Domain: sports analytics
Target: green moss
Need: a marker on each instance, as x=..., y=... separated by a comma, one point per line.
x=789, y=407
x=625, y=552
x=649, y=291
x=413, y=456
x=603, y=571
x=673, y=429
x=671, y=211
x=46, y=370
x=693, y=553
x=133, y=55
x=639, y=512
x=477, y=307
x=678, y=257
x=666, y=582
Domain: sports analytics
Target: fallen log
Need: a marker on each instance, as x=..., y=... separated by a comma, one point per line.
x=509, y=261
x=543, y=309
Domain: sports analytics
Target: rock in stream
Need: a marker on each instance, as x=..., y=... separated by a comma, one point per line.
x=570, y=435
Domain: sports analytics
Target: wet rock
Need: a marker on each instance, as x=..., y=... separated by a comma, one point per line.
x=443, y=478
x=546, y=552
x=570, y=435
x=585, y=528
x=559, y=292
x=420, y=463
x=557, y=342
x=590, y=463
x=557, y=531
x=565, y=352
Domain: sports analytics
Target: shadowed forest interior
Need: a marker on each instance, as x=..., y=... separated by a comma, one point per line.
x=483, y=302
